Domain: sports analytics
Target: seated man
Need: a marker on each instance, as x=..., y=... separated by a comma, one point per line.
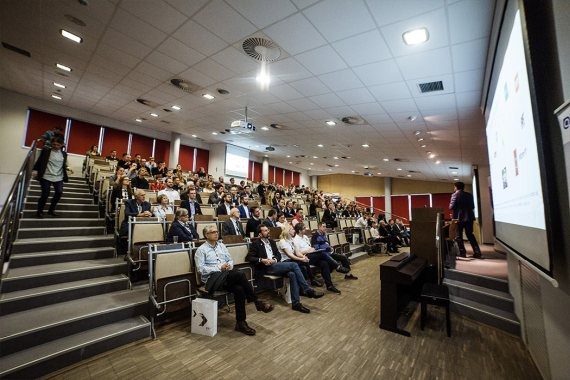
x=387, y=237
x=181, y=229
x=271, y=220
x=317, y=258
x=265, y=257
x=299, y=217
x=137, y=207
x=253, y=222
x=244, y=211
x=216, y=267
x=140, y=181
x=169, y=191
x=225, y=208
x=217, y=196
x=319, y=241
x=233, y=226
x=192, y=204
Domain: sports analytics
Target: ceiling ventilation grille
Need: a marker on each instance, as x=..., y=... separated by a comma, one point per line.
x=261, y=49
x=431, y=86
x=353, y=120
x=185, y=85
x=16, y=49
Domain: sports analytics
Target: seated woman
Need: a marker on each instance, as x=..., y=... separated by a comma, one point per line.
x=289, y=252
x=180, y=228
x=163, y=207
x=122, y=191
x=282, y=221
x=115, y=179
x=208, y=188
x=157, y=185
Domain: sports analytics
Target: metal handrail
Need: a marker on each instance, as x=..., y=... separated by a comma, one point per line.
x=377, y=208
x=12, y=210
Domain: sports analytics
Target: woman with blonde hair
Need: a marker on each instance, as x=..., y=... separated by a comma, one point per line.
x=289, y=252
x=163, y=207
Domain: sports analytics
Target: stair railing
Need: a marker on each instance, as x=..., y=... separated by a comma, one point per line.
x=12, y=209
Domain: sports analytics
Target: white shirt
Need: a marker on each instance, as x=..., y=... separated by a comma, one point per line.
x=268, y=249
x=284, y=244
x=374, y=232
x=54, y=169
x=172, y=194
x=160, y=211
x=361, y=223
x=302, y=242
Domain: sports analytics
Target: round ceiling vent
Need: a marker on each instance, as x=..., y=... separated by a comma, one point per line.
x=147, y=102
x=261, y=49
x=353, y=120
x=278, y=126
x=185, y=85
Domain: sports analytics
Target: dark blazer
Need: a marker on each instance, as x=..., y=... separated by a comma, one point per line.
x=221, y=210
x=252, y=226
x=42, y=162
x=139, y=183
x=131, y=209
x=257, y=252
x=186, y=204
x=117, y=193
x=462, y=205
x=329, y=217
x=228, y=228
x=215, y=198
x=184, y=233
x=269, y=223
x=242, y=211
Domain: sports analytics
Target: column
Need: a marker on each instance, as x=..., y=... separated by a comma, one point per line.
x=314, y=182
x=174, y=149
x=388, y=197
x=265, y=169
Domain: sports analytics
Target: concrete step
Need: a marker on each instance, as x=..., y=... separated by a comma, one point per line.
x=61, y=222
x=64, y=206
x=71, y=194
x=69, y=185
x=68, y=200
x=27, y=233
x=42, y=275
x=46, y=295
x=501, y=319
x=29, y=328
x=486, y=296
x=94, y=214
x=479, y=280
x=58, y=243
x=52, y=356
x=20, y=260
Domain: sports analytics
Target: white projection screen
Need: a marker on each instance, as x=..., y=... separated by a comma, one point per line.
x=513, y=155
x=237, y=161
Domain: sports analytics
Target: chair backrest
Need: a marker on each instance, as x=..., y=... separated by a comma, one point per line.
x=350, y=222
x=333, y=240
x=172, y=263
x=147, y=232
x=232, y=239
x=342, y=238
x=223, y=218
x=103, y=188
x=275, y=232
x=367, y=234
x=452, y=229
x=202, y=218
x=305, y=209
x=208, y=211
x=151, y=197
x=320, y=214
x=169, y=217
x=313, y=225
x=201, y=225
x=238, y=252
x=120, y=213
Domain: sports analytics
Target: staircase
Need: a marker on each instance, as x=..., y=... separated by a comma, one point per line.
x=66, y=297
x=484, y=299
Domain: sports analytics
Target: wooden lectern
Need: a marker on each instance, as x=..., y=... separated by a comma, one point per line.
x=423, y=232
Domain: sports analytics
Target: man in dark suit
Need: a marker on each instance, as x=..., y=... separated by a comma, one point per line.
x=137, y=207
x=271, y=220
x=182, y=228
x=244, y=211
x=462, y=206
x=217, y=196
x=233, y=226
x=265, y=257
x=192, y=204
x=225, y=207
x=254, y=222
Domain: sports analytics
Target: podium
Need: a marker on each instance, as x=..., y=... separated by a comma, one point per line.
x=424, y=229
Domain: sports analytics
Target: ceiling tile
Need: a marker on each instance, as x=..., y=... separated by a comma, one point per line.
x=236, y=60
x=470, y=55
x=197, y=77
x=155, y=12
x=402, y=105
x=310, y=87
x=164, y=62
x=429, y=63
x=355, y=96
x=379, y=73
x=367, y=108
x=477, y=25
x=341, y=80
x=225, y=22
x=125, y=43
x=469, y=80
x=435, y=102
x=285, y=92
x=446, y=79
x=177, y=50
x=354, y=16
x=262, y=12
x=390, y=91
x=135, y=28
x=387, y=12
x=321, y=60
x=304, y=3
x=302, y=104
x=295, y=34
x=189, y=8
x=327, y=100
x=199, y=38
x=288, y=70
x=214, y=70
x=468, y=99
x=362, y=49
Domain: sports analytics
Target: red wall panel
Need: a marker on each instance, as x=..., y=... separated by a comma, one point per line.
x=297, y=178
x=186, y=157
x=250, y=171
x=162, y=151
x=400, y=207
x=271, y=174
x=115, y=139
x=379, y=204
x=362, y=201
x=39, y=122
x=442, y=200
x=257, y=172
x=420, y=200
x=141, y=145
x=82, y=136
x=202, y=159
x=279, y=176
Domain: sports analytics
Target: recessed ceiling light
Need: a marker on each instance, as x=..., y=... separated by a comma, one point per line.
x=420, y=139
x=365, y=145
x=454, y=173
x=176, y=108
x=385, y=159
x=335, y=157
x=208, y=96
x=56, y=96
x=311, y=163
x=330, y=123
x=423, y=145
x=438, y=162
x=417, y=133
x=320, y=145
x=353, y=171
x=71, y=36
x=264, y=128
x=154, y=114
x=265, y=155
x=256, y=146
x=379, y=173
x=428, y=152
x=432, y=155
x=399, y=169
x=63, y=67
x=290, y=162
x=415, y=36
x=194, y=136
x=408, y=175
x=215, y=133
x=138, y=120
x=412, y=117
x=315, y=157
x=456, y=179
x=330, y=170
x=288, y=156
x=336, y=165
x=58, y=85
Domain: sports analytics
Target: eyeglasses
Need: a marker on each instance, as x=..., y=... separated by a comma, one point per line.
x=212, y=232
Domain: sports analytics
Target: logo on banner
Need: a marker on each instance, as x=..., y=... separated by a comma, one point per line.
x=566, y=122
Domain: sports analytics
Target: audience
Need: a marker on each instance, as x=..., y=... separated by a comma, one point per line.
x=320, y=242
x=172, y=194
x=163, y=207
x=289, y=252
x=181, y=228
x=122, y=191
x=233, y=226
x=140, y=181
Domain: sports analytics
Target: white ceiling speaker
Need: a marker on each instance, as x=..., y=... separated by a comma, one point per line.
x=261, y=49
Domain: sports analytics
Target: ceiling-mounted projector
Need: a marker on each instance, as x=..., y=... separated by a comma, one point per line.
x=239, y=127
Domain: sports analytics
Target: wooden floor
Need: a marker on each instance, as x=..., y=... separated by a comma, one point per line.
x=340, y=339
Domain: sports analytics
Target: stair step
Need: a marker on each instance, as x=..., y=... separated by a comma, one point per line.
x=59, y=243
x=71, y=194
x=64, y=206
x=46, y=295
x=20, y=260
x=61, y=222
x=68, y=200
x=501, y=319
x=66, y=213
x=52, y=356
x=26, y=233
x=49, y=274
x=69, y=185
x=477, y=279
x=490, y=297
x=25, y=329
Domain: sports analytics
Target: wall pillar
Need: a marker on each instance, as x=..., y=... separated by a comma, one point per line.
x=388, y=197
x=265, y=169
x=174, y=149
